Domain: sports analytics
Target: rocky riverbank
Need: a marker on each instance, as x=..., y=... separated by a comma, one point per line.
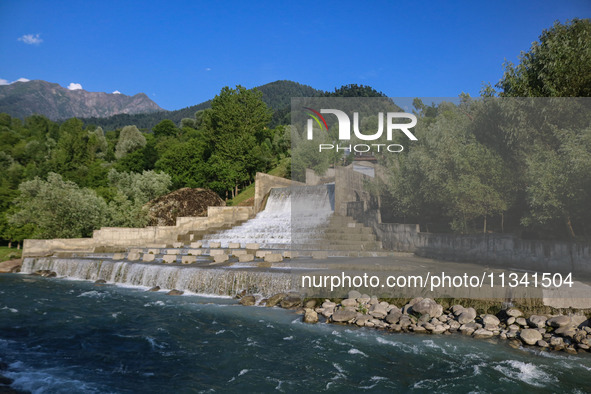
x=571, y=334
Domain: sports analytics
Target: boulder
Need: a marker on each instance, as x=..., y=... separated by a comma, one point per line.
x=354, y=294
x=378, y=311
x=276, y=299
x=175, y=292
x=536, y=321
x=310, y=304
x=467, y=315
x=490, y=320
x=457, y=310
x=558, y=321
x=482, y=333
x=291, y=302
x=362, y=320
x=513, y=312
x=100, y=282
x=343, y=316
x=349, y=302
x=427, y=306
x=248, y=300
x=155, y=288
x=310, y=316
x=530, y=336
x=566, y=331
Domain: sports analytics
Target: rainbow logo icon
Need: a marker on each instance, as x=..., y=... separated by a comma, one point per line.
x=317, y=117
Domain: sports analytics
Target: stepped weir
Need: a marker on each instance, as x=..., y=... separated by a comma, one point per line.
x=295, y=232
x=292, y=215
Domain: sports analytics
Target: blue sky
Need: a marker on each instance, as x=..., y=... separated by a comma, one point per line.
x=182, y=53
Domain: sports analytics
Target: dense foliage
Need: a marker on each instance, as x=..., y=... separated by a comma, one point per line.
x=501, y=164
x=508, y=165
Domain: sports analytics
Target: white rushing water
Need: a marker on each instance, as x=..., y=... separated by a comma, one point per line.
x=292, y=215
x=195, y=280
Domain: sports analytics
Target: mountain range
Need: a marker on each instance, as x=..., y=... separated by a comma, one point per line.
x=112, y=111
x=22, y=99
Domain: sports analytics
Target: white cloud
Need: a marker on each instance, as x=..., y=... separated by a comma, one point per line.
x=74, y=86
x=208, y=69
x=116, y=92
x=5, y=81
x=31, y=39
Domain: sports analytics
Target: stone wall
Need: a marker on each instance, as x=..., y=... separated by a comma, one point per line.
x=502, y=250
x=312, y=179
x=349, y=186
x=264, y=183
x=115, y=238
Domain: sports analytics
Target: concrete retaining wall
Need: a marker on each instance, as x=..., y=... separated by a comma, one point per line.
x=121, y=238
x=500, y=250
x=264, y=183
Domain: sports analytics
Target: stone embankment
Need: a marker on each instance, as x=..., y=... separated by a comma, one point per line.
x=423, y=315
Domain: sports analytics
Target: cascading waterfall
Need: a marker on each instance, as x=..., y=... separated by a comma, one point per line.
x=196, y=280
x=293, y=215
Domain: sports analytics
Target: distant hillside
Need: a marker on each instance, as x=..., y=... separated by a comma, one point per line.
x=277, y=95
x=22, y=99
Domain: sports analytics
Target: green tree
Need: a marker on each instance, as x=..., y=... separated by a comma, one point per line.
x=130, y=139
x=165, y=128
x=58, y=208
x=559, y=65
x=236, y=118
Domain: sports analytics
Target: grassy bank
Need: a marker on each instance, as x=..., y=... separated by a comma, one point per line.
x=7, y=253
x=282, y=170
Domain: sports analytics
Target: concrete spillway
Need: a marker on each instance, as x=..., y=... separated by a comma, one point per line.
x=292, y=215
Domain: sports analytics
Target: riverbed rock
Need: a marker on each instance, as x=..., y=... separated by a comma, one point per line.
x=558, y=321
x=349, y=302
x=428, y=306
x=175, y=292
x=468, y=315
x=491, y=320
x=276, y=299
x=310, y=316
x=521, y=321
x=248, y=300
x=537, y=321
x=155, y=288
x=354, y=294
x=290, y=302
x=513, y=312
x=394, y=316
x=542, y=343
x=343, y=315
x=530, y=336
x=362, y=320
x=454, y=325
x=439, y=329
x=100, y=282
x=482, y=333
x=378, y=311
x=457, y=310
x=566, y=331
x=310, y=304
